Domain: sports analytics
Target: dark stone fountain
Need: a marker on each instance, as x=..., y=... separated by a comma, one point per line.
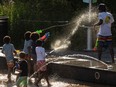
x=83, y=69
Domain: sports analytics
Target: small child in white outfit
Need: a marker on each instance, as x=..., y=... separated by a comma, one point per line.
x=40, y=64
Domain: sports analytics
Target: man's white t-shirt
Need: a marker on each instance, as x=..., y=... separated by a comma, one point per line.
x=105, y=28
x=40, y=52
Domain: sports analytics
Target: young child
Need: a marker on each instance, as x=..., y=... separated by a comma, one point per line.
x=27, y=44
x=40, y=64
x=23, y=71
x=27, y=49
x=34, y=36
x=8, y=49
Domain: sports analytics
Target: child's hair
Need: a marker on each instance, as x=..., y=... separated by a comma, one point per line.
x=22, y=55
x=39, y=42
x=34, y=36
x=7, y=39
x=27, y=35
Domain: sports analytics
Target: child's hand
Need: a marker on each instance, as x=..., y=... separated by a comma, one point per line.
x=15, y=53
x=29, y=56
x=17, y=71
x=47, y=34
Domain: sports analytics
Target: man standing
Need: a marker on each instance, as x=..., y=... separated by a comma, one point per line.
x=104, y=34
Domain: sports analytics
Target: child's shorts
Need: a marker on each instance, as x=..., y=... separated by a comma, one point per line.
x=22, y=81
x=10, y=64
x=41, y=65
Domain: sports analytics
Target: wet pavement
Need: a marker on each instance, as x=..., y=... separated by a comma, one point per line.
x=55, y=80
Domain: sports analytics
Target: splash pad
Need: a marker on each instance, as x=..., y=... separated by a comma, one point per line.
x=80, y=67
x=77, y=67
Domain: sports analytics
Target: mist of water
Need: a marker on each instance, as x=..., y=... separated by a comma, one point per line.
x=64, y=42
x=92, y=59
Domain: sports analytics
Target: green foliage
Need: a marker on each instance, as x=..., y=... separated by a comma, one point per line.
x=31, y=15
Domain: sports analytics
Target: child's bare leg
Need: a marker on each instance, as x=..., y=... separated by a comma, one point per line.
x=17, y=77
x=47, y=79
x=40, y=76
x=9, y=74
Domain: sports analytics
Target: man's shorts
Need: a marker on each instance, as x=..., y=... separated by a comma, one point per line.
x=104, y=41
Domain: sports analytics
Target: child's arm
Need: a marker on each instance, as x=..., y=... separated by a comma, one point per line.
x=2, y=50
x=45, y=37
x=29, y=50
x=13, y=49
x=15, y=52
x=18, y=67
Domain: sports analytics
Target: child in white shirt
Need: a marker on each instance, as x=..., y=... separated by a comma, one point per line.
x=41, y=64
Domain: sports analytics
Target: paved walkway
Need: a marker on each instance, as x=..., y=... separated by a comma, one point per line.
x=54, y=80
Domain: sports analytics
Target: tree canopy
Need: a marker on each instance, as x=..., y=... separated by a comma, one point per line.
x=30, y=15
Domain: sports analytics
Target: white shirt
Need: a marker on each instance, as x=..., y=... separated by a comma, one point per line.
x=26, y=45
x=105, y=28
x=8, y=50
x=40, y=52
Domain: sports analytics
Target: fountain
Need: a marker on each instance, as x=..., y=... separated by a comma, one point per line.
x=79, y=66
x=84, y=68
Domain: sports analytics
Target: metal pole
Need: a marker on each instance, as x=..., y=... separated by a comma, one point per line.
x=89, y=31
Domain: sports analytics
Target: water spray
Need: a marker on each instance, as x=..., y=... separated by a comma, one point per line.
x=40, y=31
x=61, y=47
x=41, y=68
x=72, y=32
x=81, y=18
x=77, y=55
x=92, y=58
x=64, y=43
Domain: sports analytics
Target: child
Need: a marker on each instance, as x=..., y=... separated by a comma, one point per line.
x=40, y=64
x=23, y=71
x=34, y=36
x=27, y=44
x=27, y=49
x=8, y=49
